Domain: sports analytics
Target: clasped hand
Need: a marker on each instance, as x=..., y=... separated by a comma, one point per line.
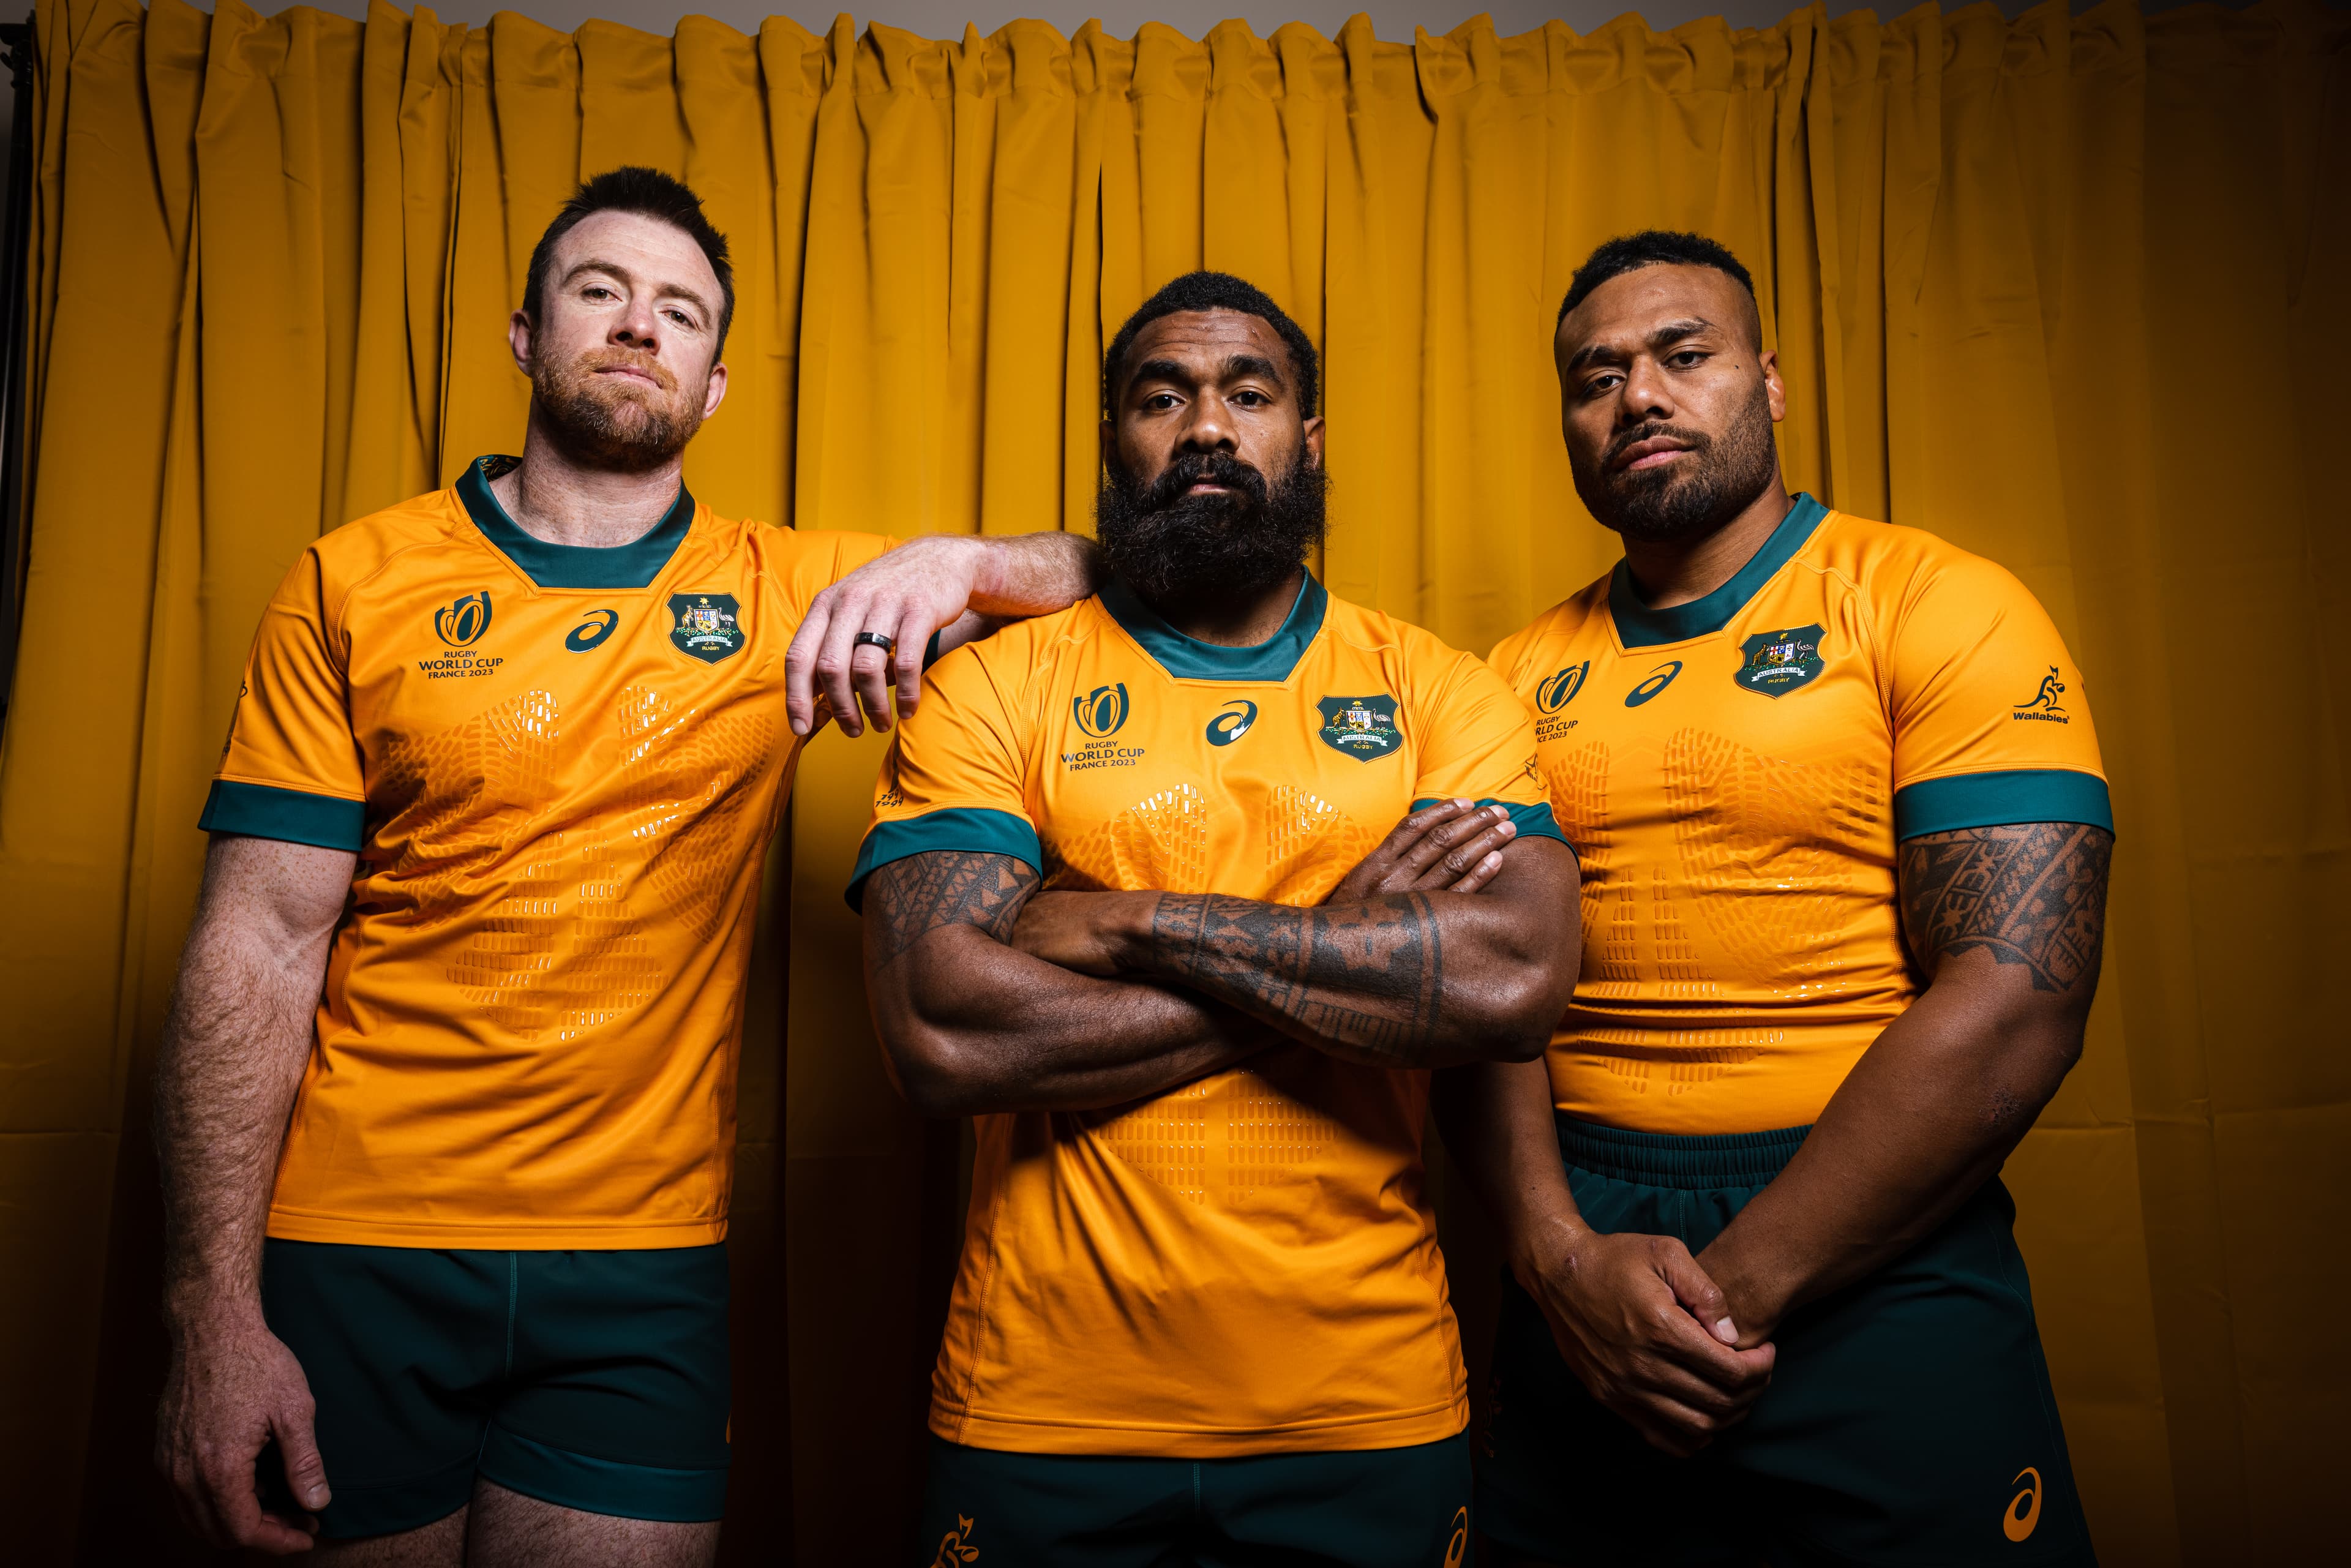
x=1649, y=1334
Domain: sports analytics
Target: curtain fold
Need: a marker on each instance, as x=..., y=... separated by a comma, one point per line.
x=2062, y=290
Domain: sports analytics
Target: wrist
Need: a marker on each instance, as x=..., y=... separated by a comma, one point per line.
x=1758, y=1295
x=200, y=1308
x=1544, y=1245
x=1133, y=916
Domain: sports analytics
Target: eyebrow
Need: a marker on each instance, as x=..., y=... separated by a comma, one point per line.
x=1665, y=337
x=625, y=275
x=1235, y=366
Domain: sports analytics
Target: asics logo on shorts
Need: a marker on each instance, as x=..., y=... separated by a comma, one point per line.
x=2024, y=1508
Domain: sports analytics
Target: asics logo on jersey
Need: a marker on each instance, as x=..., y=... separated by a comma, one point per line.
x=2024, y=1508
x=1101, y=711
x=594, y=630
x=1659, y=679
x=462, y=624
x=1457, y=1550
x=1232, y=722
x=1560, y=690
x=2044, y=705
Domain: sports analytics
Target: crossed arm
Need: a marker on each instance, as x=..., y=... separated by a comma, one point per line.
x=2008, y=925
x=989, y=994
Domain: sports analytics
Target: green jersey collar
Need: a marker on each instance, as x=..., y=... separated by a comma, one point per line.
x=1642, y=627
x=632, y=565
x=1188, y=658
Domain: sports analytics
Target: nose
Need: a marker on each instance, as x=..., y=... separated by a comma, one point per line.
x=638, y=327
x=1646, y=395
x=1208, y=427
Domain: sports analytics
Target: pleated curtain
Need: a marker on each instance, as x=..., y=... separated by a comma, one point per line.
x=2066, y=291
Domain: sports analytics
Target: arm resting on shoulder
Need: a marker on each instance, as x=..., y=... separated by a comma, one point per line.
x=960, y=585
x=2008, y=924
x=234, y=1049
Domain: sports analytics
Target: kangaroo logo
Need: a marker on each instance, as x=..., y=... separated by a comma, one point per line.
x=2044, y=705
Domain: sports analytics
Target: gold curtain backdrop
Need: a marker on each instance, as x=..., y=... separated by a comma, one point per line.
x=2066, y=291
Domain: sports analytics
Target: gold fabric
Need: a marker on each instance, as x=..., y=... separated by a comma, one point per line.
x=2063, y=290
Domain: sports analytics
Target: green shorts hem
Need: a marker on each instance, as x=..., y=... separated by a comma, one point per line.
x=387, y=1508
x=602, y=1486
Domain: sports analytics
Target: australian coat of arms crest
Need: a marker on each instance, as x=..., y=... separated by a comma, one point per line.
x=1360, y=728
x=708, y=626
x=1777, y=662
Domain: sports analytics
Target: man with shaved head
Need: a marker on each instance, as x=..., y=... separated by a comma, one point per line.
x=1844, y=838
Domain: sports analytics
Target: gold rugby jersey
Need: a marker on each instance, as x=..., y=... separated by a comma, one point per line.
x=1247, y=1264
x=560, y=767
x=1735, y=773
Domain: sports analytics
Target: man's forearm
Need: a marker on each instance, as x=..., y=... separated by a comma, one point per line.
x=1495, y=1120
x=1927, y=1114
x=232, y=1058
x=1034, y=574
x=972, y=1026
x=1419, y=979
x=233, y=1048
x=2010, y=921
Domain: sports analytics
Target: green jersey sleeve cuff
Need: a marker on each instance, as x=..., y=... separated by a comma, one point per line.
x=1534, y=821
x=973, y=830
x=1999, y=800
x=292, y=816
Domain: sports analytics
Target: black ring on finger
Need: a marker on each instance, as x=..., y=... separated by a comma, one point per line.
x=875, y=639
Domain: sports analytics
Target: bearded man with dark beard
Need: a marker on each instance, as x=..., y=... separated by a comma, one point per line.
x=1845, y=837
x=445, y=1102
x=1132, y=899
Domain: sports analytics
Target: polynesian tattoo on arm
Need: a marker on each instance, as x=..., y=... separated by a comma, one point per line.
x=921, y=892
x=2032, y=893
x=1363, y=975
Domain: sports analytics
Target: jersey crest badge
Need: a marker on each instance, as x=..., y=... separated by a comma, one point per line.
x=1359, y=727
x=1778, y=662
x=708, y=626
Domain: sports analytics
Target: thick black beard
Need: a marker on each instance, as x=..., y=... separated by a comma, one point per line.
x=1171, y=547
x=1689, y=500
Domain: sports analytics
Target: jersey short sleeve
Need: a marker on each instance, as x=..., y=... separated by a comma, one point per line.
x=291, y=768
x=954, y=777
x=1480, y=745
x=1990, y=724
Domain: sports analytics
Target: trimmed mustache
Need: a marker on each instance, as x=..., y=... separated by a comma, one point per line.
x=1697, y=443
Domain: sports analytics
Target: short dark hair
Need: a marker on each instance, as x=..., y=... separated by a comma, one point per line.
x=1651, y=247
x=1213, y=291
x=648, y=193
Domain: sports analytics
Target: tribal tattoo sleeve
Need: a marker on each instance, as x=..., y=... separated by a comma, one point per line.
x=1366, y=976
x=2032, y=893
x=920, y=894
